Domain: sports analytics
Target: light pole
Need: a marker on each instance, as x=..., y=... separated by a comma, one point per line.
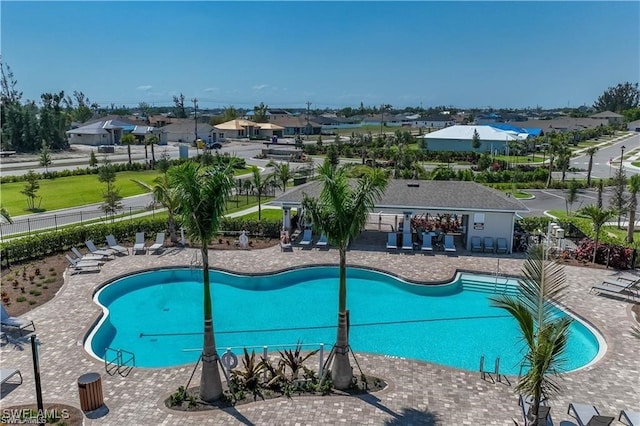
x=622, y=148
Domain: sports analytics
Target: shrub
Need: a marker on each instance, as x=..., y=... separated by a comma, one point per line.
x=615, y=256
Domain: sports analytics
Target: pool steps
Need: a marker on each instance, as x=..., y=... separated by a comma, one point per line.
x=497, y=285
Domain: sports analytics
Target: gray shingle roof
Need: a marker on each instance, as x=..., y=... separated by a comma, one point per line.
x=426, y=195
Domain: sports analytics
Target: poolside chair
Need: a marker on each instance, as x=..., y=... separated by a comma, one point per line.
x=323, y=241
x=83, y=265
x=89, y=256
x=139, y=246
x=285, y=241
x=407, y=241
x=614, y=287
x=449, y=244
x=7, y=373
x=113, y=244
x=14, y=322
x=426, y=242
x=544, y=411
x=95, y=250
x=159, y=244
x=588, y=415
x=307, y=236
x=392, y=241
x=476, y=244
x=488, y=245
x=501, y=246
x=629, y=418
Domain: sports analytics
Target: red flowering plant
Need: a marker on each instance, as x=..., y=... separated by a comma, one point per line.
x=619, y=257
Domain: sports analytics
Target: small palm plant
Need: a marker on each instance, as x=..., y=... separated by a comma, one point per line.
x=544, y=332
x=599, y=217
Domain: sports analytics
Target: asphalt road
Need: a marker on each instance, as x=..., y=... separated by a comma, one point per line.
x=554, y=199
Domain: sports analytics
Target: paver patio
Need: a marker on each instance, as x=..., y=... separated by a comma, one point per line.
x=418, y=393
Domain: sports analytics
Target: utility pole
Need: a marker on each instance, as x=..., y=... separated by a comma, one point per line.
x=308, y=106
x=381, y=118
x=195, y=115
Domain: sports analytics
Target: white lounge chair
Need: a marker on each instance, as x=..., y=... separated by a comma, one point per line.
x=629, y=418
x=83, y=265
x=14, y=322
x=159, y=244
x=476, y=244
x=488, y=245
x=392, y=241
x=449, y=245
x=307, y=236
x=89, y=256
x=95, y=250
x=113, y=244
x=426, y=242
x=7, y=373
x=501, y=245
x=588, y=415
x=323, y=241
x=139, y=246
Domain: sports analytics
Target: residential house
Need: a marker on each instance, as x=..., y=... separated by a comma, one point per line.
x=296, y=125
x=634, y=126
x=564, y=124
x=105, y=131
x=185, y=131
x=460, y=139
x=242, y=129
x=489, y=118
x=439, y=121
x=611, y=117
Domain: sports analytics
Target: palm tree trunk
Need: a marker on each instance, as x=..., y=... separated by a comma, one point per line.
x=172, y=229
x=259, y=206
x=632, y=220
x=129, y=152
x=153, y=155
x=589, y=168
x=550, y=172
x=595, y=250
x=210, y=382
x=341, y=372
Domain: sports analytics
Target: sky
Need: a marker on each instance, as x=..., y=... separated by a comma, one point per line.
x=332, y=54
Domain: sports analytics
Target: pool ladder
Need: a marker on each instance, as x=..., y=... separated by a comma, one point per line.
x=496, y=371
x=195, y=261
x=121, y=362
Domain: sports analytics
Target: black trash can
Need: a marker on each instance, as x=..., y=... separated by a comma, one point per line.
x=90, y=390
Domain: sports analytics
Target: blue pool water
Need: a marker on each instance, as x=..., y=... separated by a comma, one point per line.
x=158, y=316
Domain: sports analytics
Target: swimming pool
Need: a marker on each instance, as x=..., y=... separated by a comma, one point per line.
x=158, y=316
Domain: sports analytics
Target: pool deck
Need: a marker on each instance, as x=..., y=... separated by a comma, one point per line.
x=418, y=393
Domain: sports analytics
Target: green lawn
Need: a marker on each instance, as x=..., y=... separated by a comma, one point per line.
x=267, y=214
x=236, y=203
x=70, y=191
x=611, y=231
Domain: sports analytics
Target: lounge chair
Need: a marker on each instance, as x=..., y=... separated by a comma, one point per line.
x=139, y=245
x=113, y=244
x=323, y=241
x=426, y=242
x=307, y=237
x=476, y=244
x=159, y=244
x=629, y=418
x=95, y=250
x=588, y=415
x=449, y=244
x=544, y=411
x=501, y=245
x=285, y=241
x=89, y=256
x=14, y=322
x=7, y=373
x=614, y=287
x=392, y=241
x=407, y=241
x=488, y=245
x=83, y=265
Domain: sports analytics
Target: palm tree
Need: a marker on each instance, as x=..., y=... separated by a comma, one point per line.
x=128, y=140
x=590, y=152
x=598, y=217
x=260, y=185
x=544, y=334
x=5, y=216
x=152, y=140
x=634, y=188
x=341, y=212
x=282, y=174
x=201, y=194
x=164, y=194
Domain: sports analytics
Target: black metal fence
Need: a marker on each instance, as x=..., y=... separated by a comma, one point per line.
x=35, y=224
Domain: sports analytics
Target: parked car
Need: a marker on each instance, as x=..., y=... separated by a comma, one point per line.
x=214, y=145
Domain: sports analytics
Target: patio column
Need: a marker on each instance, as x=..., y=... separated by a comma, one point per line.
x=286, y=218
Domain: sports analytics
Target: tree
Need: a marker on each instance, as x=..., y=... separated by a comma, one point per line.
x=282, y=174
x=544, y=333
x=554, y=147
x=5, y=216
x=572, y=195
x=152, y=140
x=107, y=175
x=260, y=184
x=128, y=140
x=632, y=114
x=179, y=109
x=201, y=194
x=475, y=140
x=341, y=212
x=622, y=97
x=600, y=191
x=31, y=189
x=53, y=121
x=93, y=161
x=598, y=218
x=166, y=196
x=618, y=201
x=634, y=188
x=260, y=113
x=590, y=152
x=45, y=156
x=564, y=159
x=230, y=113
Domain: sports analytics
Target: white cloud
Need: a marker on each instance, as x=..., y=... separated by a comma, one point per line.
x=211, y=89
x=260, y=86
x=144, y=87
